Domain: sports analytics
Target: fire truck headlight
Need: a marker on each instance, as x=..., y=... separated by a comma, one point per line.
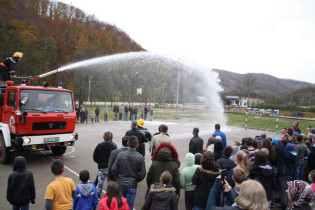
x=71, y=136
x=18, y=112
x=26, y=140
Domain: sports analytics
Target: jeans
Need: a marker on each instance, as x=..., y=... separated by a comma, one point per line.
x=26, y=207
x=120, y=116
x=97, y=119
x=135, y=116
x=150, y=117
x=298, y=171
x=129, y=194
x=105, y=117
x=126, y=116
x=102, y=174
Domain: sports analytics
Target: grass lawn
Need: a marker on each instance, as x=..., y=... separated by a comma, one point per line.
x=266, y=123
x=263, y=122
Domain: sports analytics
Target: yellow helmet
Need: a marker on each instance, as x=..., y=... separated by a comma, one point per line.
x=18, y=55
x=140, y=123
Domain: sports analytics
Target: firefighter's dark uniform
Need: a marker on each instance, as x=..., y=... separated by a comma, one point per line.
x=7, y=68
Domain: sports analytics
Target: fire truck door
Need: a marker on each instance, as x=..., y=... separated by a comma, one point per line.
x=9, y=109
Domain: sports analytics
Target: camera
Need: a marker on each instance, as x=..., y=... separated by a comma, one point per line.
x=223, y=175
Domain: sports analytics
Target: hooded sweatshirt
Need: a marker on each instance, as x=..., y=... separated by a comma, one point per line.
x=188, y=172
x=21, y=187
x=160, y=197
x=86, y=197
x=165, y=158
x=266, y=175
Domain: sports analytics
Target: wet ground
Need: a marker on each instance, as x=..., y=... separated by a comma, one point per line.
x=80, y=157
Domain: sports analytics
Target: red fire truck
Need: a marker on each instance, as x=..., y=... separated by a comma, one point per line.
x=34, y=118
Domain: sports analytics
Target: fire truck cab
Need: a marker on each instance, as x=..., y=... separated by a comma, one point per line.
x=34, y=118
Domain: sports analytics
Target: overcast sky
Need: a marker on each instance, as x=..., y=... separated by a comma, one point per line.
x=275, y=37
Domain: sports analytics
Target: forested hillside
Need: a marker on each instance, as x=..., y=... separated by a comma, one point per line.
x=273, y=90
x=52, y=34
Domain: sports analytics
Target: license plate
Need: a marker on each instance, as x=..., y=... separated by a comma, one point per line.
x=51, y=139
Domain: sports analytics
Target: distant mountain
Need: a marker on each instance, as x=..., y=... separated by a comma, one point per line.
x=264, y=83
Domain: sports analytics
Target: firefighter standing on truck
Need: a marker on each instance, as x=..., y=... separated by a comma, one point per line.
x=7, y=66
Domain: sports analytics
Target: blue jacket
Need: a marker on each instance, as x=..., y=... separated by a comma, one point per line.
x=223, y=137
x=86, y=197
x=285, y=160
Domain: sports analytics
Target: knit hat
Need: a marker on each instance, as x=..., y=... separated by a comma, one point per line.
x=275, y=140
x=290, y=148
x=263, y=136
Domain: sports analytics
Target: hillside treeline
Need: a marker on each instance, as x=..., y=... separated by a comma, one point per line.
x=52, y=34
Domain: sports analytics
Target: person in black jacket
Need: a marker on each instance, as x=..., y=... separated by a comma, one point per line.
x=101, y=157
x=204, y=178
x=196, y=143
x=7, y=66
x=225, y=162
x=264, y=173
x=21, y=187
x=311, y=158
x=141, y=139
x=145, y=132
x=285, y=164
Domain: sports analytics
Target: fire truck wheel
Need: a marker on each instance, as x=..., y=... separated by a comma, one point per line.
x=58, y=150
x=5, y=154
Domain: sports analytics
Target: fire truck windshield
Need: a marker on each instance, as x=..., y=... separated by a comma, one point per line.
x=47, y=101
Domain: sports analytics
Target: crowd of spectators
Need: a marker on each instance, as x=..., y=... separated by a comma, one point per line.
x=253, y=173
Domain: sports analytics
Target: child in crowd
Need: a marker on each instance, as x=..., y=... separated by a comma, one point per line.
x=239, y=176
x=113, y=199
x=311, y=178
x=186, y=175
x=21, y=188
x=225, y=162
x=236, y=147
x=92, y=116
x=242, y=161
x=198, y=158
x=162, y=195
x=86, y=193
x=204, y=178
x=263, y=172
x=61, y=192
x=210, y=144
x=249, y=142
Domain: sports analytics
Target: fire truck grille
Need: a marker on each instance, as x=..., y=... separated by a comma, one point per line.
x=49, y=125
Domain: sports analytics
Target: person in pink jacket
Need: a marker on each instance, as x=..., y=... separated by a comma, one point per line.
x=113, y=199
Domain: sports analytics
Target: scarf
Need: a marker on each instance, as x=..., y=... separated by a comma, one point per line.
x=301, y=193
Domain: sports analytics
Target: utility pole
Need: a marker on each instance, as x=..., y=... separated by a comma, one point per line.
x=89, y=88
x=177, y=93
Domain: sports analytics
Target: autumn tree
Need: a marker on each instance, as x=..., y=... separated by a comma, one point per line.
x=247, y=85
